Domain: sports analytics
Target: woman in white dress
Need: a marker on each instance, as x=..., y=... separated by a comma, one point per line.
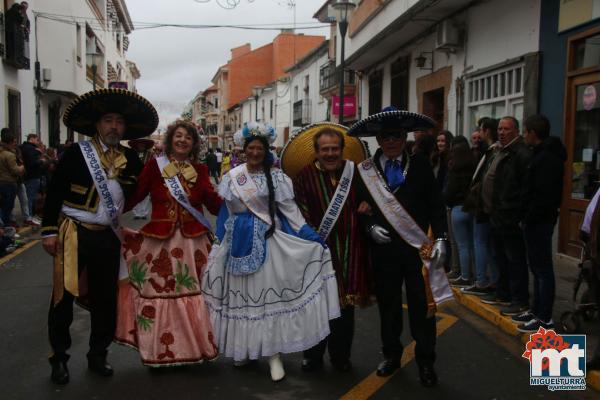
x=269, y=286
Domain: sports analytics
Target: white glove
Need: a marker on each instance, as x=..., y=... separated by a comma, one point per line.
x=438, y=254
x=379, y=234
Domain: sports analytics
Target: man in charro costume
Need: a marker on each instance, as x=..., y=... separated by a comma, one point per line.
x=80, y=227
x=406, y=202
x=325, y=188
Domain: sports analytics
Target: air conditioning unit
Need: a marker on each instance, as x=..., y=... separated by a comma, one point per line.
x=447, y=36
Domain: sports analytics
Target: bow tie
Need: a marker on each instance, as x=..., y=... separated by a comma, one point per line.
x=183, y=168
x=393, y=174
x=113, y=160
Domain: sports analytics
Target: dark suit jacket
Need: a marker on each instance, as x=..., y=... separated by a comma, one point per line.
x=419, y=194
x=72, y=184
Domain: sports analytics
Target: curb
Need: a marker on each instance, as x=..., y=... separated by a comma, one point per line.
x=492, y=314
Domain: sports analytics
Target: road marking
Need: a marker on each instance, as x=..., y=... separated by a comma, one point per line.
x=18, y=251
x=372, y=383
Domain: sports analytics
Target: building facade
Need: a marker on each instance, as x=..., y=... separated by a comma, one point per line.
x=80, y=44
x=569, y=87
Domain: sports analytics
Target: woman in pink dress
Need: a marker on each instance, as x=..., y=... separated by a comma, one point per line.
x=161, y=311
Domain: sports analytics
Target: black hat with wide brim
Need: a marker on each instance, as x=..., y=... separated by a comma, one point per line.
x=141, y=118
x=391, y=121
x=147, y=143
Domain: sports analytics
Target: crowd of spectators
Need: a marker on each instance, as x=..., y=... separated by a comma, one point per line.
x=503, y=192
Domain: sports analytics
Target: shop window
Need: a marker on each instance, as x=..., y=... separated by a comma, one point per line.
x=587, y=52
x=495, y=94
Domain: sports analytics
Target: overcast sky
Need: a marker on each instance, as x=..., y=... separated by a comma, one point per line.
x=176, y=63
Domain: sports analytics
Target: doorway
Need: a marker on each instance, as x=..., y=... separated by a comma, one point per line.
x=582, y=137
x=54, y=124
x=14, y=113
x=433, y=106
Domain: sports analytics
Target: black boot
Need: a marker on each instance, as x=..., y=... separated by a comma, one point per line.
x=427, y=375
x=60, y=372
x=98, y=365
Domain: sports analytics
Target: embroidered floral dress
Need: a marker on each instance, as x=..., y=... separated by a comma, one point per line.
x=161, y=311
x=267, y=296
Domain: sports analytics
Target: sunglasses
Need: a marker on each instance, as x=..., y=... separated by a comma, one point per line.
x=389, y=136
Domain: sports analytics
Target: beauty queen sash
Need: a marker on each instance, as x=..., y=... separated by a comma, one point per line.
x=337, y=202
x=178, y=193
x=92, y=160
x=247, y=192
x=406, y=227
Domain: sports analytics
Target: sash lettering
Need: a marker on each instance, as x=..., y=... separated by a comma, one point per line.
x=405, y=225
x=178, y=193
x=101, y=182
x=248, y=192
x=337, y=203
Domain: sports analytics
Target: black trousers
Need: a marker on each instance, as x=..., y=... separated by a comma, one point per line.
x=396, y=263
x=98, y=252
x=511, y=259
x=339, y=341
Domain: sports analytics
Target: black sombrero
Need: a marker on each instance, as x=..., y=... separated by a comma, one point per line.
x=391, y=120
x=140, y=115
x=147, y=143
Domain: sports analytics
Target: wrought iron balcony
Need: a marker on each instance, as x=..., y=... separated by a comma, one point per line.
x=302, y=113
x=329, y=77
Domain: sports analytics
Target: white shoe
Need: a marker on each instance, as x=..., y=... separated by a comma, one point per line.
x=277, y=371
x=241, y=363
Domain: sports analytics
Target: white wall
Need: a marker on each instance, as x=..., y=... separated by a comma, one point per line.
x=19, y=80
x=496, y=32
x=318, y=104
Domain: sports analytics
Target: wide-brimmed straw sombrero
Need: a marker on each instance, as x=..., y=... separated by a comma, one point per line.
x=300, y=151
x=147, y=143
x=391, y=120
x=83, y=113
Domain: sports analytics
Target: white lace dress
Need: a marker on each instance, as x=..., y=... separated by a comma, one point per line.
x=273, y=296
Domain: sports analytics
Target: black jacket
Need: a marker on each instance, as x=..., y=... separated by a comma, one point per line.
x=72, y=185
x=419, y=194
x=457, y=186
x=543, y=182
x=508, y=185
x=211, y=162
x=32, y=159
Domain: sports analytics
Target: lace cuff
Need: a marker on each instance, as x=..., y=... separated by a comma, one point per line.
x=284, y=188
x=225, y=190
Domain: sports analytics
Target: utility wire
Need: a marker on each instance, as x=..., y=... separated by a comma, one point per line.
x=94, y=23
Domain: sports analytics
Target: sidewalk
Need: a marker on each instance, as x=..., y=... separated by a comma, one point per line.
x=566, y=272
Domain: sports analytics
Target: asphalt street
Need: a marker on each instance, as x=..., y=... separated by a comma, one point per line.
x=475, y=360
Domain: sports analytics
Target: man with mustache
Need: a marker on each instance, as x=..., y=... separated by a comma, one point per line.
x=406, y=202
x=80, y=228
x=325, y=191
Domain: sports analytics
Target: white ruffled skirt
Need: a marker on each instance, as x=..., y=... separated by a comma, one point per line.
x=284, y=307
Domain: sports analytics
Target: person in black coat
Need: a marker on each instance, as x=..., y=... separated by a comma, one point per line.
x=395, y=261
x=213, y=165
x=78, y=228
x=35, y=163
x=541, y=198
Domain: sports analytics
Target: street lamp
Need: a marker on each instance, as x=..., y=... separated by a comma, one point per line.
x=93, y=59
x=256, y=91
x=342, y=8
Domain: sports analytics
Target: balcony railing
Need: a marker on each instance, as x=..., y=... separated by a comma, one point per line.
x=16, y=37
x=329, y=77
x=302, y=113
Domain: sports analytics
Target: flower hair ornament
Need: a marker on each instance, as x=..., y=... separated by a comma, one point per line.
x=252, y=129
